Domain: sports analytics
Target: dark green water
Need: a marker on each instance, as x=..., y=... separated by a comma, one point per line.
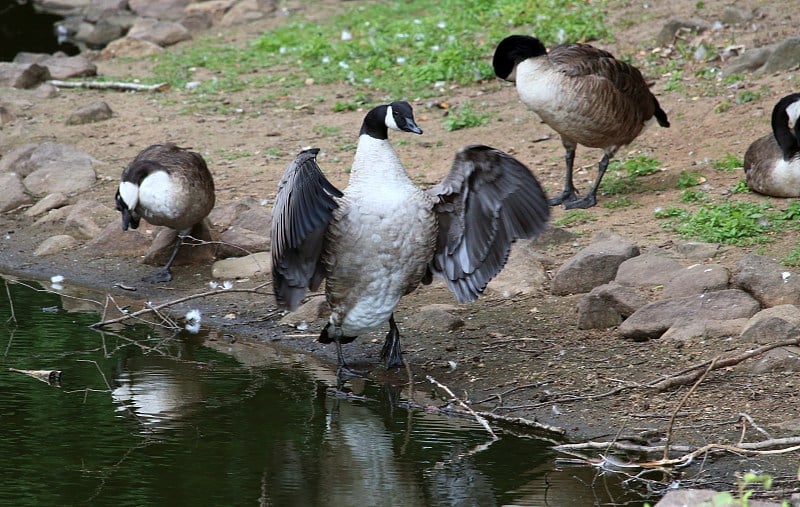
x=145, y=419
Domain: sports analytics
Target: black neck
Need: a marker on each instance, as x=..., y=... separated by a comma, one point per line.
x=375, y=124
x=787, y=139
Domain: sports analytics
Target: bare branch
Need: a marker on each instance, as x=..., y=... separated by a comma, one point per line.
x=110, y=85
x=156, y=308
x=482, y=420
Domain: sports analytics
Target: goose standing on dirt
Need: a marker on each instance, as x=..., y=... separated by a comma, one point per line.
x=583, y=93
x=382, y=236
x=168, y=186
x=772, y=163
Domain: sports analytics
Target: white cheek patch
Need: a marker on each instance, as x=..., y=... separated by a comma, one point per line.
x=390, y=123
x=129, y=193
x=794, y=112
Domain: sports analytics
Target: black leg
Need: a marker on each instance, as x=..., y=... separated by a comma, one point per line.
x=164, y=274
x=342, y=369
x=591, y=198
x=390, y=353
x=569, y=189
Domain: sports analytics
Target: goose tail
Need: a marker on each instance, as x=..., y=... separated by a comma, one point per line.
x=661, y=116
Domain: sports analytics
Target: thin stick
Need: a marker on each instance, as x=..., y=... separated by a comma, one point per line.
x=482, y=420
x=681, y=404
x=10, y=304
x=156, y=308
x=110, y=85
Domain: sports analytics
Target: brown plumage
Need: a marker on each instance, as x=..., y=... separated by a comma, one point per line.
x=772, y=162
x=583, y=93
x=168, y=186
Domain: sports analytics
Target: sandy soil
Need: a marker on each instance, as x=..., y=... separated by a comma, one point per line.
x=521, y=356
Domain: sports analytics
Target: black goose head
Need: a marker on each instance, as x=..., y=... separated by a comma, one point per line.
x=786, y=111
x=513, y=50
x=398, y=115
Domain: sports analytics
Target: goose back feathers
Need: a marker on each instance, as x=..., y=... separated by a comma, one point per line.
x=772, y=162
x=383, y=235
x=583, y=93
x=168, y=186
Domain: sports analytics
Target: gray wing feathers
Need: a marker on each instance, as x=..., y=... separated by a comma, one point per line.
x=486, y=202
x=303, y=209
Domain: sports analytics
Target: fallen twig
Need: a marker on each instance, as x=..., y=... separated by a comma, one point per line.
x=482, y=420
x=156, y=308
x=110, y=85
x=682, y=403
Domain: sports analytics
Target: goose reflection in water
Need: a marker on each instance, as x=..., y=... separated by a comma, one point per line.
x=160, y=392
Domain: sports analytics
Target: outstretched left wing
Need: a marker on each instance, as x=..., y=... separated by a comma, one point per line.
x=487, y=201
x=303, y=209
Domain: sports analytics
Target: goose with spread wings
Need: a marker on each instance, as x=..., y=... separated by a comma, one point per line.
x=382, y=236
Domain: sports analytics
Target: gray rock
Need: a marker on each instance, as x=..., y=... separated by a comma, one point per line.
x=771, y=324
x=594, y=265
x=97, y=35
x=90, y=113
x=113, y=241
x=245, y=227
x=750, y=60
x=257, y=264
x=697, y=250
x=87, y=219
x=654, y=319
x=62, y=7
x=17, y=160
x=23, y=75
x=128, y=47
x=667, y=34
x=13, y=195
x=608, y=305
x=648, y=270
x=245, y=11
x=49, y=202
x=785, y=56
x=782, y=359
x=55, y=244
x=696, y=279
x=65, y=67
x=768, y=281
x=163, y=33
x=59, y=168
x=46, y=91
x=434, y=318
x=736, y=16
x=701, y=329
x=205, y=14
x=312, y=310
x=53, y=217
x=199, y=248
x=524, y=273
x=164, y=9
x=703, y=497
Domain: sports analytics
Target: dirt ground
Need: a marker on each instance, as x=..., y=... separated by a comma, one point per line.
x=519, y=356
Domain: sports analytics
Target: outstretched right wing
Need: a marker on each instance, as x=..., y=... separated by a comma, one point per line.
x=301, y=214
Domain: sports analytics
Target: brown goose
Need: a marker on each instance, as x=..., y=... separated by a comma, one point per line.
x=772, y=163
x=169, y=186
x=583, y=93
x=382, y=236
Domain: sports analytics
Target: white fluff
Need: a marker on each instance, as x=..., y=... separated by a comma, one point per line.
x=193, y=318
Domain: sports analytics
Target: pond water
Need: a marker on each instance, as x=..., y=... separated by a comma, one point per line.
x=137, y=417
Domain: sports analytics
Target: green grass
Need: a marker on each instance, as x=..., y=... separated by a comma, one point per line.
x=688, y=179
x=404, y=49
x=464, y=116
x=741, y=187
x=622, y=175
x=728, y=163
x=574, y=217
x=730, y=223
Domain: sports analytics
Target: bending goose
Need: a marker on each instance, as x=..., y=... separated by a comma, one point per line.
x=583, y=93
x=169, y=186
x=772, y=163
x=382, y=236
